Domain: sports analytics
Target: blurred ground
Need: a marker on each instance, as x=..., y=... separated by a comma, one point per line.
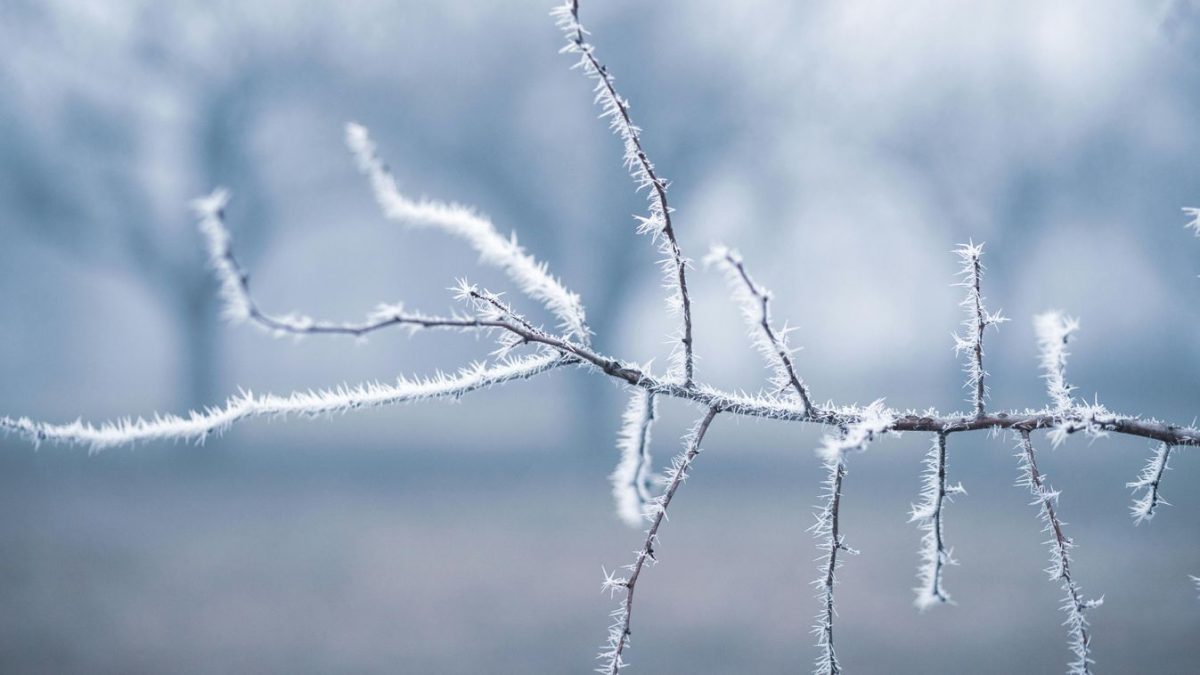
x=269, y=561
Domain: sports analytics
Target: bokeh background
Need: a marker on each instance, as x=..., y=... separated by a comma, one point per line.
x=844, y=148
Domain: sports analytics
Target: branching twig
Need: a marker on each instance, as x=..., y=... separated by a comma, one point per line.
x=658, y=223
x=1149, y=480
x=240, y=305
x=935, y=555
x=978, y=318
x=756, y=308
x=619, y=632
x=1060, y=560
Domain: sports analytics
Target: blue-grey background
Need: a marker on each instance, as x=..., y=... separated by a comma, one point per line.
x=845, y=148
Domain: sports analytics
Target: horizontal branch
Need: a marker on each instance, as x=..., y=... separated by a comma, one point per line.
x=240, y=304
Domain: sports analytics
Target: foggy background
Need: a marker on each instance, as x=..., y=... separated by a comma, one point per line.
x=844, y=148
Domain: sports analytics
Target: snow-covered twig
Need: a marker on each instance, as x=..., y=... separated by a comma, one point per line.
x=631, y=478
x=978, y=319
x=658, y=222
x=240, y=305
x=1149, y=480
x=619, y=632
x=1054, y=332
x=755, y=302
x=874, y=421
x=199, y=425
x=1074, y=605
x=531, y=276
x=935, y=555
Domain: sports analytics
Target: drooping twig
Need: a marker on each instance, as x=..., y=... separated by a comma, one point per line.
x=658, y=223
x=618, y=634
x=827, y=529
x=631, y=478
x=1149, y=480
x=978, y=319
x=1054, y=332
x=1060, y=559
x=935, y=555
x=531, y=276
x=756, y=309
x=240, y=305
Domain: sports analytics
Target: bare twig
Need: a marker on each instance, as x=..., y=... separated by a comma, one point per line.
x=1060, y=559
x=618, y=634
x=658, y=224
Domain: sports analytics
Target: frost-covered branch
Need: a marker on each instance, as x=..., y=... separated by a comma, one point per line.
x=240, y=306
x=1149, y=480
x=978, y=319
x=631, y=478
x=619, y=632
x=531, y=276
x=199, y=425
x=1054, y=332
x=935, y=555
x=1074, y=605
x=658, y=222
x=874, y=421
x=755, y=302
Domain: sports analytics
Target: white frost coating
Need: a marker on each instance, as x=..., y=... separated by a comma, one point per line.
x=1194, y=223
x=531, y=276
x=1073, y=604
x=199, y=425
x=754, y=301
x=210, y=209
x=240, y=306
x=874, y=420
x=1149, y=480
x=978, y=318
x=1195, y=580
x=632, y=477
x=929, y=513
x=657, y=222
x=1054, y=332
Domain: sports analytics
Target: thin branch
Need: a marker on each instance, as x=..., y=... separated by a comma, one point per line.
x=978, y=318
x=240, y=304
x=619, y=633
x=1054, y=332
x=756, y=309
x=199, y=425
x=1074, y=605
x=935, y=555
x=658, y=223
x=631, y=478
x=531, y=276
x=1149, y=480
x=874, y=422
